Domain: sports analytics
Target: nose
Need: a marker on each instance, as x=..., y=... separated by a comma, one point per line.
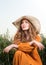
x=24, y=24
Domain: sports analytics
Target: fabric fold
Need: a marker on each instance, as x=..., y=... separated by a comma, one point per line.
x=25, y=47
x=26, y=55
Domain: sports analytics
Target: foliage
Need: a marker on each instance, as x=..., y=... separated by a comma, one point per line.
x=5, y=58
x=43, y=52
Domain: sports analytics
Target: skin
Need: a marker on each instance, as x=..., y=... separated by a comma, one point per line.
x=25, y=26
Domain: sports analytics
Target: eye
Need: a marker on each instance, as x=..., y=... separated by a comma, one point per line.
x=26, y=21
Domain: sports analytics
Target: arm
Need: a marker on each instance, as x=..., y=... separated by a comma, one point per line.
x=38, y=44
x=8, y=48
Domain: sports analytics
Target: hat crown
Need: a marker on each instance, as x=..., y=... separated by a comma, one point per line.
x=32, y=19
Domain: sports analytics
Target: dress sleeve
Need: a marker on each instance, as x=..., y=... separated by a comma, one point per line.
x=38, y=38
x=16, y=42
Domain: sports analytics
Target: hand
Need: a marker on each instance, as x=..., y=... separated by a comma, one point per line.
x=39, y=45
x=8, y=48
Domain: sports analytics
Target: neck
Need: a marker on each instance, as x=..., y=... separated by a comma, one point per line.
x=26, y=33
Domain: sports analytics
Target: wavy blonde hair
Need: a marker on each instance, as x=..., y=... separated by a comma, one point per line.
x=20, y=36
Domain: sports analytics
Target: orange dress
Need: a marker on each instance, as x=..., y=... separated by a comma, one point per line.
x=27, y=54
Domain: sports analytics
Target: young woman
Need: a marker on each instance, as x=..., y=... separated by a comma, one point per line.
x=27, y=41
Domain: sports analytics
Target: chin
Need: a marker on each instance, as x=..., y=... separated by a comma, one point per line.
x=25, y=29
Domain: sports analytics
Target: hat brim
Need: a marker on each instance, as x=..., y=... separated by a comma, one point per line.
x=32, y=19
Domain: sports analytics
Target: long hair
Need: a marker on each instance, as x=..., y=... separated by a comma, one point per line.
x=20, y=36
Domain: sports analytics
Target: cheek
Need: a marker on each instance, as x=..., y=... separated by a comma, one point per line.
x=22, y=26
x=27, y=25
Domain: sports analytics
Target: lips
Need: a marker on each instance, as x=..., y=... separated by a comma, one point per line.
x=24, y=26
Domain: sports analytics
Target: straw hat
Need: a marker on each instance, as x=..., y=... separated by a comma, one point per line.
x=32, y=19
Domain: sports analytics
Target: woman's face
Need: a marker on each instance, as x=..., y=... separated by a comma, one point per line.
x=25, y=24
